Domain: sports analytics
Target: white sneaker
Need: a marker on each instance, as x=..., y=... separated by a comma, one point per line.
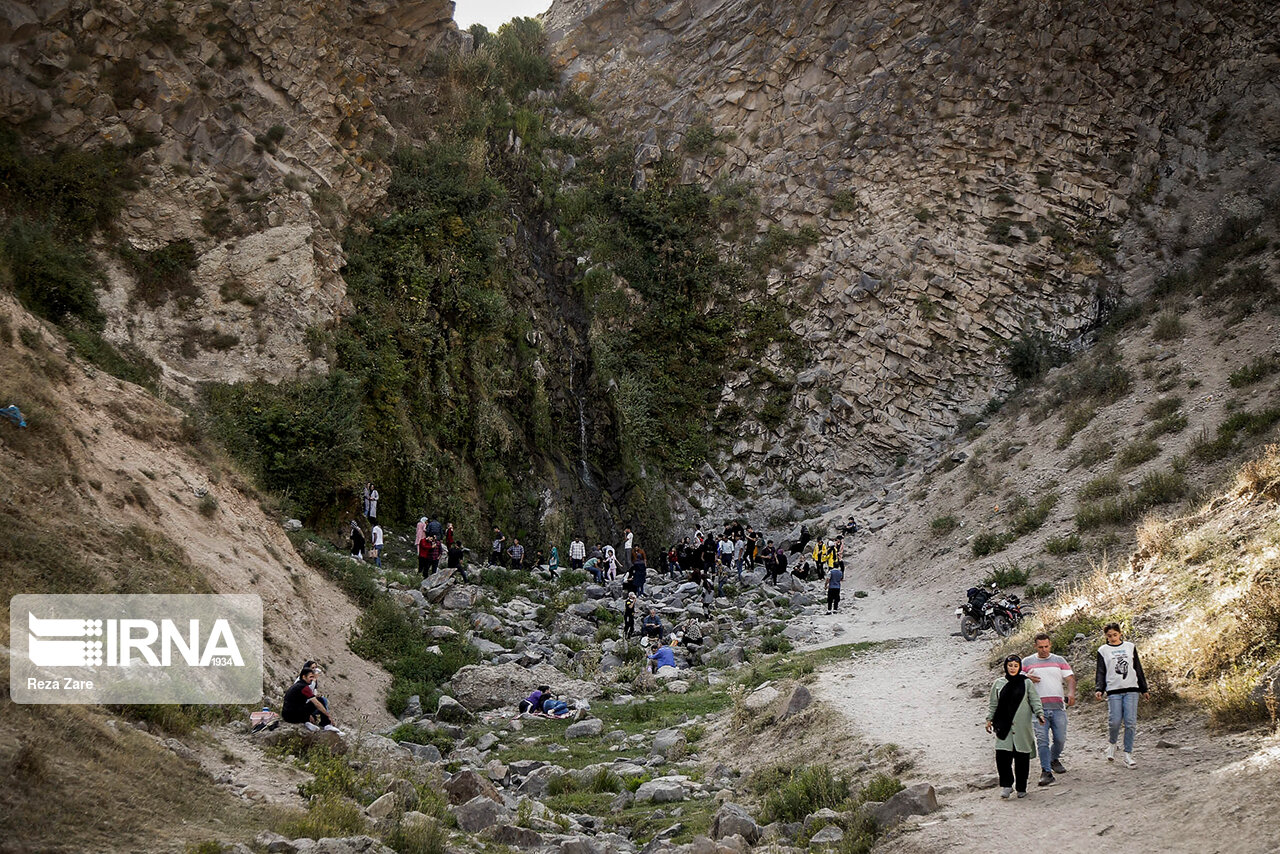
x=311, y=727
x=1006, y=792
x=1128, y=761
x=1111, y=753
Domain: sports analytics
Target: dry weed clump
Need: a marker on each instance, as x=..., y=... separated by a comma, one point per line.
x=1261, y=476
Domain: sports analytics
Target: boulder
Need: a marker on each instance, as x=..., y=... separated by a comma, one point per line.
x=478, y=813
x=762, y=698
x=329, y=741
x=538, y=781
x=425, y=752
x=678, y=686
x=451, y=711
x=667, y=672
x=485, y=622
x=919, y=799
x=733, y=819
x=457, y=600
x=668, y=741
x=467, y=785
x=660, y=791
x=441, y=632
x=799, y=700
x=584, y=729
x=829, y=835
x=581, y=845
x=412, y=708
x=380, y=745
x=487, y=686
x=382, y=807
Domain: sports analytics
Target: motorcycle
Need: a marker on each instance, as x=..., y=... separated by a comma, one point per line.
x=1001, y=612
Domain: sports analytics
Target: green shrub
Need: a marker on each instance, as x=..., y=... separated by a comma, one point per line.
x=1040, y=591
x=1169, y=424
x=1008, y=575
x=1101, y=486
x=1031, y=518
x=1257, y=370
x=162, y=274
x=989, y=542
x=943, y=525
x=441, y=740
x=1136, y=453
x=1163, y=407
x=325, y=817
x=52, y=278
x=1032, y=354
x=799, y=792
x=1095, y=451
x=1168, y=327
x=881, y=788
x=1077, y=419
x=127, y=362
x=419, y=838
x=775, y=643
x=1064, y=545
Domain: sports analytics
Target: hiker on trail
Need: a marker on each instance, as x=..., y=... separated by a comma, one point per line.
x=1056, y=684
x=1010, y=708
x=651, y=626
x=739, y=555
x=364, y=499
x=837, y=553
x=553, y=562
x=376, y=539
x=302, y=706
x=779, y=564
x=1120, y=678
x=577, y=553
x=371, y=510
x=610, y=563
x=725, y=550
x=457, y=556
x=753, y=548
x=434, y=528
x=357, y=540
x=593, y=566
x=663, y=656
x=628, y=542
x=499, y=543
x=516, y=553
x=673, y=560
x=420, y=532
x=834, y=578
x=629, y=617
x=448, y=535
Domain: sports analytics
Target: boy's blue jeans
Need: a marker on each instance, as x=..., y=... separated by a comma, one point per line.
x=1122, y=708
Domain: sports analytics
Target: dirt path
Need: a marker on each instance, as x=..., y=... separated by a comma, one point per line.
x=926, y=692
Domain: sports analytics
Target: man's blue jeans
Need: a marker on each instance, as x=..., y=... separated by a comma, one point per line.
x=1055, y=722
x=1122, y=707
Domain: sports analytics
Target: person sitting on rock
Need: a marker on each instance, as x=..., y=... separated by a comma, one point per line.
x=651, y=626
x=663, y=656
x=593, y=566
x=302, y=706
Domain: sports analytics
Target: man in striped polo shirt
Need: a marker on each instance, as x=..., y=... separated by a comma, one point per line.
x=1056, y=684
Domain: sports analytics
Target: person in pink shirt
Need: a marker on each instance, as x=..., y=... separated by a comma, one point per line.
x=1056, y=684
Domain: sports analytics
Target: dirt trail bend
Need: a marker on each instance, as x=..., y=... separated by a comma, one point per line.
x=925, y=691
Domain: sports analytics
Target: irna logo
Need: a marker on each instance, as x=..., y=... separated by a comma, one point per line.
x=61, y=642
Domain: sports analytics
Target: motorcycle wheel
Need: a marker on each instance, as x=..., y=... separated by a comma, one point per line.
x=1001, y=624
x=968, y=628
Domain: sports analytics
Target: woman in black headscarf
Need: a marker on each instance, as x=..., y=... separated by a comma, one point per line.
x=1013, y=702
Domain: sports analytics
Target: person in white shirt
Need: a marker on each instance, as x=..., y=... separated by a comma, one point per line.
x=376, y=541
x=577, y=554
x=1120, y=679
x=628, y=540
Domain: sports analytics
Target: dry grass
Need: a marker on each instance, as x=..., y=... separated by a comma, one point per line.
x=80, y=781
x=1261, y=477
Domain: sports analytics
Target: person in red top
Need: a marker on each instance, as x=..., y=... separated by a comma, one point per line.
x=424, y=556
x=448, y=535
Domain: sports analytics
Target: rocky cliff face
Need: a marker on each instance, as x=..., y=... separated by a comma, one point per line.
x=270, y=121
x=973, y=169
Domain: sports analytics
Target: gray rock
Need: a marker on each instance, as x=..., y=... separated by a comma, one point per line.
x=829, y=835
x=412, y=709
x=584, y=729
x=581, y=845
x=919, y=799
x=822, y=816
x=762, y=699
x=478, y=813
x=678, y=686
x=486, y=646
x=293, y=525
x=441, y=632
x=426, y=752
x=457, y=600
x=519, y=837
x=733, y=819
x=668, y=741
x=660, y=791
x=799, y=700
x=467, y=785
x=382, y=807
x=451, y=711
x=484, y=622
x=538, y=781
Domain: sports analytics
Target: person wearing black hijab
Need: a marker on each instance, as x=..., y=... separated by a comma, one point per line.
x=1013, y=703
